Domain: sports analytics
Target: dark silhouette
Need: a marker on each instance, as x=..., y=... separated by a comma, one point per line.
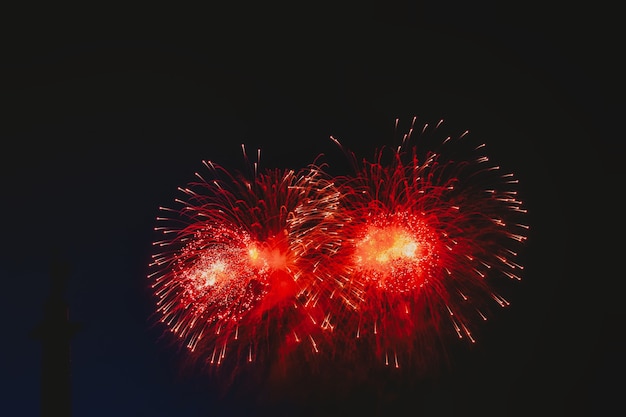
x=55, y=332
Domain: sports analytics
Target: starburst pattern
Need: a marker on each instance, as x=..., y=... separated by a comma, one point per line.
x=380, y=266
x=429, y=236
x=239, y=268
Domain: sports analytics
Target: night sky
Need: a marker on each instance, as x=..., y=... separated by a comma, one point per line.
x=105, y=112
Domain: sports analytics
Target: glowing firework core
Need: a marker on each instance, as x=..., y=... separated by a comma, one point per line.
x=396, y=253
x=271, y=254
x=210, y=276
x=383, y=245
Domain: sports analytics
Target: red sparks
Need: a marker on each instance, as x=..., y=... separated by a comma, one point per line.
x=237, y=276
x=427, y=236
x=395, y=253
x=381, y=264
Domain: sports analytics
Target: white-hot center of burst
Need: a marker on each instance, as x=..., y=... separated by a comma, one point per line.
x=385, y=245
x=210, y=275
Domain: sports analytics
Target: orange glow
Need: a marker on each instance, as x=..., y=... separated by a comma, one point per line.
x=271, y=254
x=382, y=245
x=253, y=251
x=397, y=254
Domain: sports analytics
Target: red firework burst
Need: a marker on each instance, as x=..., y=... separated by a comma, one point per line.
x=383, y=264
x=239, y=267
x=427, y=236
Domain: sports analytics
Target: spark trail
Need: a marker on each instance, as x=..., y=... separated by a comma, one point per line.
x=429, y=236
x=381, y=267
x=240, y=262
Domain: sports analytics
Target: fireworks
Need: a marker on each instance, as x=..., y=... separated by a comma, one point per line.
x=428, y=236
x=376, y=266
x=238, y=271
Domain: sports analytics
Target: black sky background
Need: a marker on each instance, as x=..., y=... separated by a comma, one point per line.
x=106, y=112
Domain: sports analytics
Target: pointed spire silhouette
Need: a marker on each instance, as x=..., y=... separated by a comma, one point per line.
x=55, y=332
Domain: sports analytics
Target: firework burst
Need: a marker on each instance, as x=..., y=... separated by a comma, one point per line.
x=381, y=266
x=428, y=236
x=240, y=263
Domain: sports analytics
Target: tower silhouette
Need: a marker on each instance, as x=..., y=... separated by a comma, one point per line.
x=55, y=332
